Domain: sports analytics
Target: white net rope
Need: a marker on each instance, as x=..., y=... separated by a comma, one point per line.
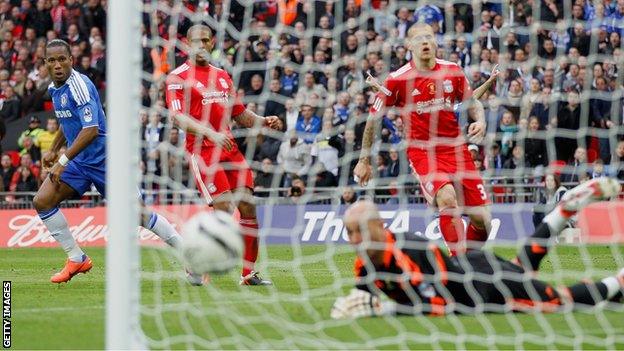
x=288, y=56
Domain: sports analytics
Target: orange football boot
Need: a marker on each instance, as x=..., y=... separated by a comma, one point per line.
x=71, y=269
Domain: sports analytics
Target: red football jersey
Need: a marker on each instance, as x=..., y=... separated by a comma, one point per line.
x=425, y=100
x=205, y=93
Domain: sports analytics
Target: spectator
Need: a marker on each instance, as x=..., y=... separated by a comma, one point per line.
x=326, y=148
x=514, y=98
x=152, y=135
x=517, y=159
x=30, y=148
x=46, y=138
x=348, y=196
x=568, y=121
x=25, y=161
x=294, y=158
x=308, y=124
x=11, y=106
x=532, y=97
x=598, y=169
x=296, y=191
x=393, y=168
x=273, y=106
x=616, y=166
x=324, y=178
x=291, y=115
x=541, y=107
x=600, y=106
x=535, y=145
x=342, y=109
x=508, y=130
x=33, y=131
x=289, y=81
x=403, y=22
x=26, y=181
x=547, y=197
x=381, y=166
x=494, y=34
x=6, y=172
x=267, y=147
x=576, y=167
x=32, y=100
x=310, y=87
x=495, y=160
x=256, y=86
x=84, y=67
x=266, y=174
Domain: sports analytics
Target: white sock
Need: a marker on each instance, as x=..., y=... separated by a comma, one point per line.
x=555, y=221
x=161, y=227
x=613, y=286
x=57, y=225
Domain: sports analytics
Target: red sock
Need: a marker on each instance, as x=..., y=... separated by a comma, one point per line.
x=452, y=229
x=476, y=236
x=249, y=227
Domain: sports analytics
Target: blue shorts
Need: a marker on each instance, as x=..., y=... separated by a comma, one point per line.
x=80, y=177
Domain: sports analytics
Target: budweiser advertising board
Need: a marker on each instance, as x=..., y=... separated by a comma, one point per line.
x=313, y=224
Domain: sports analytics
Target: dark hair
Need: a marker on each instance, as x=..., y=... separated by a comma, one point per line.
x=59, y=42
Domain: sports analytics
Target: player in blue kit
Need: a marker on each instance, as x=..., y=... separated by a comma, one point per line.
x=83, y=127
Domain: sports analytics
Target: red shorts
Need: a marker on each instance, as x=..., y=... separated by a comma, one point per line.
x=452, y=165
x=220, y=171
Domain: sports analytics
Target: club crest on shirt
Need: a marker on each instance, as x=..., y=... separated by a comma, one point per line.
x=224, y=83
x=448, y=86
x=88, y=115
x=212, y=188
x=429, y=187
x=431, y=88
x=64, y=100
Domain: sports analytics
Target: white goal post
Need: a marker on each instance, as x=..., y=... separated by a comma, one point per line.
x=123, y=101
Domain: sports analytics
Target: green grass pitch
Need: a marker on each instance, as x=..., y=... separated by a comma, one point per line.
x=294, y=314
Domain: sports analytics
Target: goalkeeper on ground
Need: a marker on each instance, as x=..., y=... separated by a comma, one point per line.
x=421, y=279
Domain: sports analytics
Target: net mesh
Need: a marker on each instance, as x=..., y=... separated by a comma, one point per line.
x=286, y=56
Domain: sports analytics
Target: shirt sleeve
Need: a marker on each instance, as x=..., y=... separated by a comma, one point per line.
x=385, y=97
x=86, y=107
x=174, y=93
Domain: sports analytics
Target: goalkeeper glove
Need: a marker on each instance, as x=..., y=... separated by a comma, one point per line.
x=358, y=303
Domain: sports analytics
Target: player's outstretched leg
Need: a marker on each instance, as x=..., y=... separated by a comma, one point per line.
x=46, y=203
x=249, y=226
x=572, y=201
x=590, y=294
x=160, y=226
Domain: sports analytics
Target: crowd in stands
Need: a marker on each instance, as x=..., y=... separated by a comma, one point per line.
x=558, y=101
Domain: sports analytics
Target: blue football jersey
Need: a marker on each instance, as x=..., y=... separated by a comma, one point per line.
x=77, y=105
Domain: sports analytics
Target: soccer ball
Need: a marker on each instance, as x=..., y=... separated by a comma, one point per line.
x=212, y=243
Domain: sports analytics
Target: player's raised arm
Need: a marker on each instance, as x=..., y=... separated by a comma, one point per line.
x=478, y=93
x=385, y=97
x=476, y=130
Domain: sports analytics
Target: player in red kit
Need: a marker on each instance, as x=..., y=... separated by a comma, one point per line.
x=202, y=100
x=425, y=91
